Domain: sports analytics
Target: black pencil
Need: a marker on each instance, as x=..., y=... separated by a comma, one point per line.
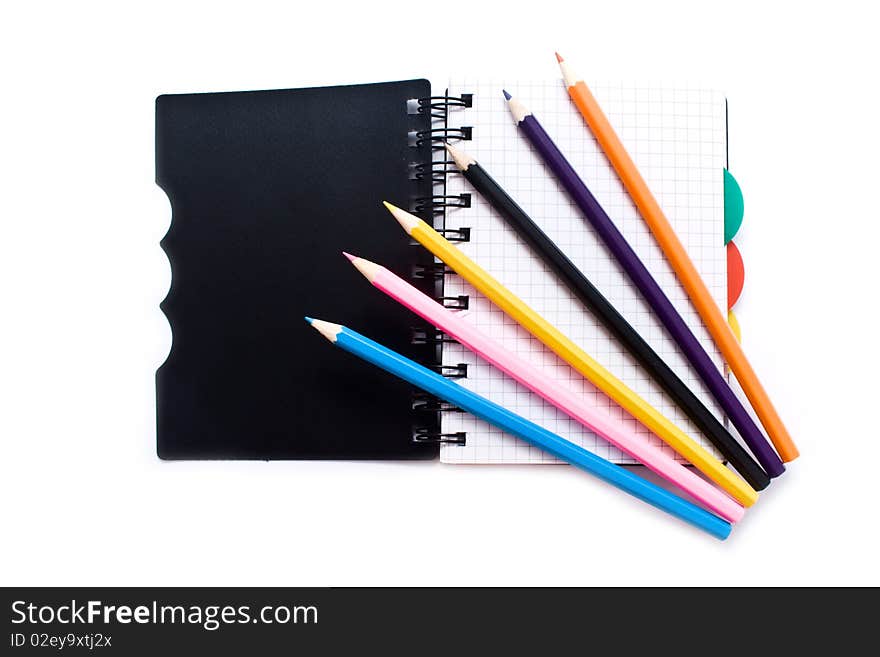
x=580, y=285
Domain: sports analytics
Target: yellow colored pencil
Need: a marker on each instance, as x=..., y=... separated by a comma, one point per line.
x=572, y=354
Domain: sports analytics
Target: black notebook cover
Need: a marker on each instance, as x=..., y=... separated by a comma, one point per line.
x=267, y=188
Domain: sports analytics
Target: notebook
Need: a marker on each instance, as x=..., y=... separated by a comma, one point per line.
x=268, y=187
x=678, y=138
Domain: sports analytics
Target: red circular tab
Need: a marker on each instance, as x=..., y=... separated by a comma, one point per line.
x=736, y=274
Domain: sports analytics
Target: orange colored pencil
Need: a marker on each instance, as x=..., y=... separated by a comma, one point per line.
x=680, y=261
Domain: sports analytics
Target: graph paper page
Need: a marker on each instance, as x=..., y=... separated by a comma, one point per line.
x=677, y=137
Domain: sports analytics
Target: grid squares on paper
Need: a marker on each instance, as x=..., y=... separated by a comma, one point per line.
x=677, y=137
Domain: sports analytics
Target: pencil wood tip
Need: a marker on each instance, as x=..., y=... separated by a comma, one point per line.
x=327, y=329
x=517, y=109
x=405, y=219
x=462, y=160
x=568, y=75
x=369, y=269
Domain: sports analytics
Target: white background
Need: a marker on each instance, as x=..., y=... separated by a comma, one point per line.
x=83, y=498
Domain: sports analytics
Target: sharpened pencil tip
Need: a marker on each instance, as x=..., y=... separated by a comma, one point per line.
x=568, y=76
x=369, y=269
x=310, y=320
x=349, y=256
x=405, y=219
x=327, y=329
x=462, y=161
x=506, y=95
x=517, y=109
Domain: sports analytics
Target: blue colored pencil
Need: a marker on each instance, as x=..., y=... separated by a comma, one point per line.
x=422, y=377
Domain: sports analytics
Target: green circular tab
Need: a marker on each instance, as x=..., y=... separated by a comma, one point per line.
x=733, y=206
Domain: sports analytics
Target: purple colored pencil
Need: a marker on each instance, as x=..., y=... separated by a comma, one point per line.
x=648, y=287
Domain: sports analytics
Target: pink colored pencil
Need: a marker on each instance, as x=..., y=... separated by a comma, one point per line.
x=609, y=428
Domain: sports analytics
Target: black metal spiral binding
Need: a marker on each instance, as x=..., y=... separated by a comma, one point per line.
x=426, y=403
x=434, y=271
x=452, y=371
x=461, y=302
x=425, y=435
x=433, y=209
x=439, y=136
x=428, y=335
x=462, y=234
x=438, y=170
x=439, y=106
x=440, y=202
